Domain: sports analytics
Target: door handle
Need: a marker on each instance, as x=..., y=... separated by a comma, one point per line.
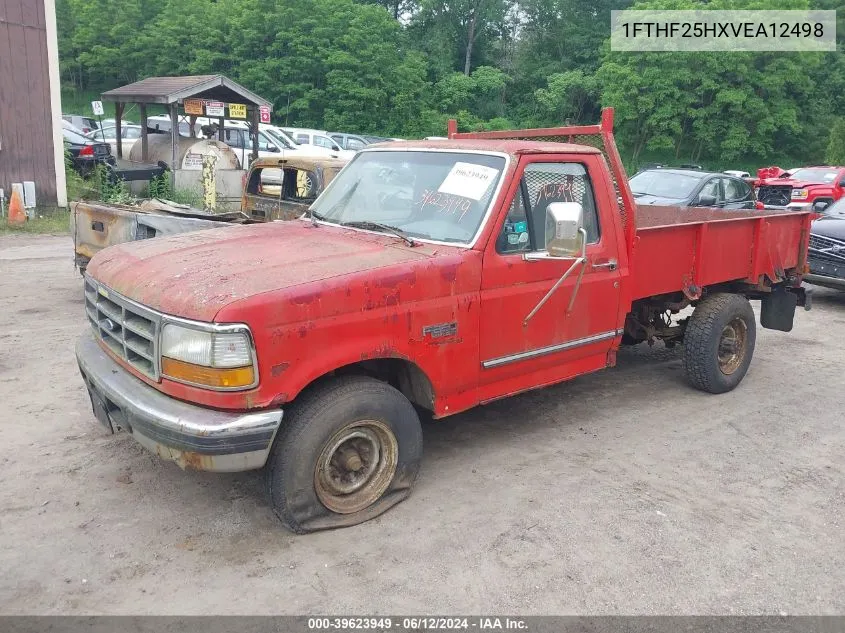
x=609, y=264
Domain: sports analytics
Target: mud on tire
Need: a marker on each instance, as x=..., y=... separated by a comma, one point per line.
x=719, y=342
x=347, y=451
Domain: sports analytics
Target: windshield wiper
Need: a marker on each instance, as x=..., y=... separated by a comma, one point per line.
x=315, y=216
x=368, y=224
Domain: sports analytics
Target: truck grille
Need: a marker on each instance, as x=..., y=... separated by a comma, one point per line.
x=827, y=249
x=775, y=195
x=126, y=328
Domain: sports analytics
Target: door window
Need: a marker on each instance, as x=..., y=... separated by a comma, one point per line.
x=303, y=139
x=355, y=144
x=264, y=144
x=235, y=138
x=325, y=141
x=711, y=188
x=131, y=132
x=541, y=185
x=735, y=190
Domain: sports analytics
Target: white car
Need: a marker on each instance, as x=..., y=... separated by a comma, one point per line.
x=129, y=133
x=317, y=138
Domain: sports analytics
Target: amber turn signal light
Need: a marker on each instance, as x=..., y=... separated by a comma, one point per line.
x=214, y=377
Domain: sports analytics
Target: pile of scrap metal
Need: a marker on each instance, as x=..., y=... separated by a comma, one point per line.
x=276, y=189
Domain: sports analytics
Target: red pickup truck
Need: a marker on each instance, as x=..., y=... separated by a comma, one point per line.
x=805, y=188
x=435, y=275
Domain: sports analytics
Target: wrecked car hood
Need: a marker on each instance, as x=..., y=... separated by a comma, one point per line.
x=195, y=275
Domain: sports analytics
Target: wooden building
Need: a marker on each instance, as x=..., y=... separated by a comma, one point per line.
x=31, y=144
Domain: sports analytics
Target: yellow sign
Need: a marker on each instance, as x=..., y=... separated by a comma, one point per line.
x=237, y=110
x=193, y=106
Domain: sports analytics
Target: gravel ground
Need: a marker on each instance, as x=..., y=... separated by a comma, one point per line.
x=621, y=492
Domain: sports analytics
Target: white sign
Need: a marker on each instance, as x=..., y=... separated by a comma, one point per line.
x=215, y=108
x=468, y=180
x=97, y=107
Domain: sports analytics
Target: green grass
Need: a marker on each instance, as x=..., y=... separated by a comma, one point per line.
x=51, y=221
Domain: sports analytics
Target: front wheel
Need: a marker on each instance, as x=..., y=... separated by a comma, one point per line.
x=719, y=342
x=349, y=450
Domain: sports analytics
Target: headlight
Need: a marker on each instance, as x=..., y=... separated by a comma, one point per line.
x=799, y=193
x=220, y=360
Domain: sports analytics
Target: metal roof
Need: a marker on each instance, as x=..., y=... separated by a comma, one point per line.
x=169, y=90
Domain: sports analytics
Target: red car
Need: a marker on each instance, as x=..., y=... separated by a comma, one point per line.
x=802, y=188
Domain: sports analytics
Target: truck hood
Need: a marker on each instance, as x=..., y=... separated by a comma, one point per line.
x=195, y=275
x=827, y=226
x=795, y=184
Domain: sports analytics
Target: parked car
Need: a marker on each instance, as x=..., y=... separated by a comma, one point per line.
x=691, y=188
x=802, y=187
x=436, y=275
x=84, y=123
x=737, y=173
x=85, y=153
x=827, y=246
x=129, y=133
x=352, y=142
x=318, y=138
x=67, y=125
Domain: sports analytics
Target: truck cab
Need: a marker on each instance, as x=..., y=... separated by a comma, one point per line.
x=429, y=275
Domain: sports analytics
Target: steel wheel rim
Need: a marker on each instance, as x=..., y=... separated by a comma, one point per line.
x=356, y=466
x=732, y=342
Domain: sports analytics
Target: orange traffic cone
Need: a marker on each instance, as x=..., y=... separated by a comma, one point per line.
x=16, y=213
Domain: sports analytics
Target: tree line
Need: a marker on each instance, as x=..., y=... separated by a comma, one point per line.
x=403, y=67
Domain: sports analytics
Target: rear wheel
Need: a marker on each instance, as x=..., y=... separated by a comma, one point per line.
x=719, y=342
x=347, y=451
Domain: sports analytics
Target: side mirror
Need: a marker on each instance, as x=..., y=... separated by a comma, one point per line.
x=842, y=183
x=564, y=224
x=705, y=200
x=820, y=205
x=273, y=149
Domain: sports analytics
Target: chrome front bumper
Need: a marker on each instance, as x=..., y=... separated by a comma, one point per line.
x=192, y=436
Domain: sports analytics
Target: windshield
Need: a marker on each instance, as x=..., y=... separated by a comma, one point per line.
x=663, y=184
x=280, y=138
x=836, y=210
x=814, y=175
x=440, y=196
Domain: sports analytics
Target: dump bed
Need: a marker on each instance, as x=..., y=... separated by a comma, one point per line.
x=679, y=248
x=673, y=249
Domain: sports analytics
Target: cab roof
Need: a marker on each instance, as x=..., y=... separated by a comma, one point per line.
x=509, y=146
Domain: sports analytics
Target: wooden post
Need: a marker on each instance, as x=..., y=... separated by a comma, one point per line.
x=118, y=114
x=174, y=141
x=253, y=125
x=193, y=122
x=142, y=108
x=221, y=134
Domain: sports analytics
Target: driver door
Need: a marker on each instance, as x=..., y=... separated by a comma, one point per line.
x=575, y=329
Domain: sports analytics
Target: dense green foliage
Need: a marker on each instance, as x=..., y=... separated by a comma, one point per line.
x=403, y=67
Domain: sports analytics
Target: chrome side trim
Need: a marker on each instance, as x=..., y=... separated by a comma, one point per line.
x=551, y=349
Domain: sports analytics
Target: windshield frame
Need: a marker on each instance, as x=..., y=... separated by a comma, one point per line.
x=494, y=199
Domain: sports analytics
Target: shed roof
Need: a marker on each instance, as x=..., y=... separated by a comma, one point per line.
x=169, y=90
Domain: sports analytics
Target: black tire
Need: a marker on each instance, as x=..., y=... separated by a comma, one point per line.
x=719, y=342
x=312, y=435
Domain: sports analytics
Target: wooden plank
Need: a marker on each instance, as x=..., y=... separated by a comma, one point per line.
x=29, y=12
x=142, y=108
x=42, y=165
x=13, y=11
x=7, y=122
